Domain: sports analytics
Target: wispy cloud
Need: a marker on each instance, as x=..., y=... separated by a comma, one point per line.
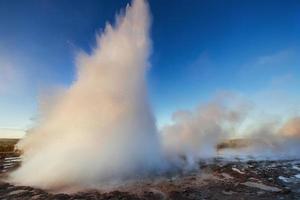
x=11, y=79
x=7, y=76
x=275, y=58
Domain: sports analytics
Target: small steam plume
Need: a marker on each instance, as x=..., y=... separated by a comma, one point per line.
x=195, y=134
x=101, y=128
x=273, y=140
x=291, y=128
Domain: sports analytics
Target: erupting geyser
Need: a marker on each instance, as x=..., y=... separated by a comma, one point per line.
x=101, y=128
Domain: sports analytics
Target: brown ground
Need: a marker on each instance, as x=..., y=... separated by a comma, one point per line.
x=217, y=179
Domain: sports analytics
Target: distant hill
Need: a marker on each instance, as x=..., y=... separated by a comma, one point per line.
x=7, y=144
x=234, y=144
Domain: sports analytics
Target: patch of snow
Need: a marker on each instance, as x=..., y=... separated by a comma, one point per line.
x=261, y=186
x=228, y=192
x=12, y=158
x=227, y=176
x=296, y=167
x=237, y=170
x=17, y=192
x=284, y=179
x=8, y=164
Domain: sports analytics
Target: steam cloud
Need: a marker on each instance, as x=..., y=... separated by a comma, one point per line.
x=102, y=127
x=195, y=134
x=214, y=129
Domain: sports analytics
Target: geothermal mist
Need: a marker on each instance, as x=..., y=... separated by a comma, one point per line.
x=196, y=134
x=102, y=127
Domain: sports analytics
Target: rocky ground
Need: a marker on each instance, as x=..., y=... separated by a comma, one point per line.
x=215, y=179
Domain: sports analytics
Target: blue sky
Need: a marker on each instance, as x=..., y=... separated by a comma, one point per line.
x=200, y=48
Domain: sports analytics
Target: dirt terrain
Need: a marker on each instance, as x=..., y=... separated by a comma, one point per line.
x=215, y=179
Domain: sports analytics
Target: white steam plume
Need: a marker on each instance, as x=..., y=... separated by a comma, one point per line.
x=101, y=128
x=195, y=134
